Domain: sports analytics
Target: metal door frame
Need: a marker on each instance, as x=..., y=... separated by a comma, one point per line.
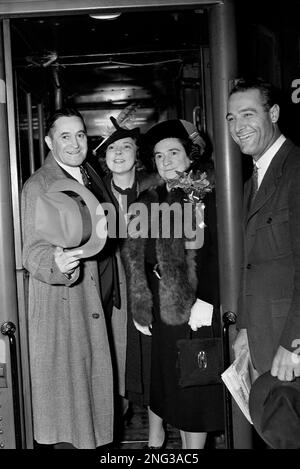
x=223, y=56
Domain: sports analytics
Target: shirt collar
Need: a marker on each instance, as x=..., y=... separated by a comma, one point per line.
x=74, y=171
x=267, y=157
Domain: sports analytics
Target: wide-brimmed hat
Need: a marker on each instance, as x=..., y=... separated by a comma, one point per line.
x=274, y=407
x=174, y=128
x=69, y=215
x=118, y=134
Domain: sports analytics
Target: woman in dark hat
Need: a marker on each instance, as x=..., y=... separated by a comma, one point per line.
x=172, y=283
x=120, y=150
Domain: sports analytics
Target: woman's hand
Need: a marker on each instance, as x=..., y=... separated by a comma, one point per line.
x=143, y=329
x=201, y=314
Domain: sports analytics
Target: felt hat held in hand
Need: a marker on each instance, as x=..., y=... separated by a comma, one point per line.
x=274, y=407
x=69, y=215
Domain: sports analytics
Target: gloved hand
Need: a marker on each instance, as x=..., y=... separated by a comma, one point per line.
x=201, y=314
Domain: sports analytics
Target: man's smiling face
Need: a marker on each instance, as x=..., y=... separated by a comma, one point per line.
x=68, y=141
x=250, y=123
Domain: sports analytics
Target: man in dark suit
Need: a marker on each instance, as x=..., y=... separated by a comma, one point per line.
x=269, y=303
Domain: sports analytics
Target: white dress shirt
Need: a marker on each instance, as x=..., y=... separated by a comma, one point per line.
x=264, y=161
x=74, y=171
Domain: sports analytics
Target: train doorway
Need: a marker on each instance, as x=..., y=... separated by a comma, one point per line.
x=172, y=60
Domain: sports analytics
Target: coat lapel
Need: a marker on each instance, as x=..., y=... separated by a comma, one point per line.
x=264, y=193
x=270, y=180
x=98, y=186
x=55, y=172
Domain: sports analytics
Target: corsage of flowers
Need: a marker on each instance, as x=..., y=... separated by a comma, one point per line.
x=195, y=185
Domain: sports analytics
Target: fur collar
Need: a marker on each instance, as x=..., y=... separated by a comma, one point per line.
x=177, y=266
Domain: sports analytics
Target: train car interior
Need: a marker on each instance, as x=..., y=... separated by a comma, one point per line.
x=155, y=64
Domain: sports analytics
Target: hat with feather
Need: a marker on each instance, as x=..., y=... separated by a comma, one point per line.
x=119, y=129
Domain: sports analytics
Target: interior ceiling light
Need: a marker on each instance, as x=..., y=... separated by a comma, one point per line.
x=106, y=16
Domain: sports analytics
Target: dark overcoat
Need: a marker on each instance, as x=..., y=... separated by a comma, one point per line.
x=269, y=306
x=186, y=273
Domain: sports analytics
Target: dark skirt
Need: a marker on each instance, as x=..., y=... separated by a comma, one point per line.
x=193, y=409
x=138, y=362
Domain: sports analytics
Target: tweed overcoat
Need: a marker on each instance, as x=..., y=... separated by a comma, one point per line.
x=70, y=358
x=269, y=305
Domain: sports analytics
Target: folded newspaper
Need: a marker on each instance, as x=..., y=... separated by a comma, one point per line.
x=238, y=378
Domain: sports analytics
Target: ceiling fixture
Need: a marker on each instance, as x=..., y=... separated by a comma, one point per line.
x=106, y=16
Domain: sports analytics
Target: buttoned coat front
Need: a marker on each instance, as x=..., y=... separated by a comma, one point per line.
x=70, y=359
x=269, y=306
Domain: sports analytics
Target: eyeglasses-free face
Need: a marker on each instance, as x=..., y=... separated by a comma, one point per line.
x=250, y=124
x=68, y=140
x=121, y=155
x=170, y=156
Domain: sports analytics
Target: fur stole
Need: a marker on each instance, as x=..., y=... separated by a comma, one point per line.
x=177, y=266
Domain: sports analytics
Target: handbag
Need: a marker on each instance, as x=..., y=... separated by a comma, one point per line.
x=200, y=361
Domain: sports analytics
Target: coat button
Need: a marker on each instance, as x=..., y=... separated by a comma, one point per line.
x=269, y=220
x=95, y=315
x=249, y=266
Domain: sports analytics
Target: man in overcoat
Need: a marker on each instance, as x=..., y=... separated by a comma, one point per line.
x=74, y=315
x=269, y=306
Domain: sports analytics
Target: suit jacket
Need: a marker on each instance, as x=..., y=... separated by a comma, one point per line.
x=108, y=268
x=269, y=306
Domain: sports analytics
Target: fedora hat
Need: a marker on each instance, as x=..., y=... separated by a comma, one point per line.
x=274, y=407
x=69, y=215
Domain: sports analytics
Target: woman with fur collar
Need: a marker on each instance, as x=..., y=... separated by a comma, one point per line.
x=172, y=286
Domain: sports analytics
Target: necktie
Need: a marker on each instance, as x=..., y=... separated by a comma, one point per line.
x=254, y=182
x=85, y=177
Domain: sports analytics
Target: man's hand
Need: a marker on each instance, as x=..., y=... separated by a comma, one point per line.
x=143, y=329
x=240, y=343
x=286, y=365
x=67, y=261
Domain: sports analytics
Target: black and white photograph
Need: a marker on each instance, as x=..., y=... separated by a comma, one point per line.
x=149, y=229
